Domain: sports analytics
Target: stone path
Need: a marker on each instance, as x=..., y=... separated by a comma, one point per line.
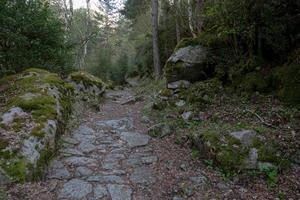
x=102, y=159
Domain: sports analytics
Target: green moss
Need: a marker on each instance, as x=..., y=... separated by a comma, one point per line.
x=3, y=144
x=170, y=69
x=87, y=79
x=18, y=124
x=166, y=92
x=254, y=81
x=16, y=170
x=230, y=159
x=45, y=157
x=38, y=131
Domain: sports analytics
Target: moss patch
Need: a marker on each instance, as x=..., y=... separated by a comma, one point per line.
x=87, y=79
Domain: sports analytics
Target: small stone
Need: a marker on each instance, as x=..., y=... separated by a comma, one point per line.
x=180, y=103
x=178, y=198
x=246, y=137
x=81, y=161
x=70, y=151
x=120, y=192
x=75, y=189
x=183, y=84
x=83, y=171
x=86, y=147
x=187, y=115
x=135, y=139
x=105, y=179
x=183, y=167
x=100, y=191
x=199, y=180
x=62, y=173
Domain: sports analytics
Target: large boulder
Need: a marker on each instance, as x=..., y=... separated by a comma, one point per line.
x=34, y=109
x=188, y=63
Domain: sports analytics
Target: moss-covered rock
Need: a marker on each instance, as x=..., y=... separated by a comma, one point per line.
x=188, y=62
x=87, y=87
x=238, y=150
x=37, y=105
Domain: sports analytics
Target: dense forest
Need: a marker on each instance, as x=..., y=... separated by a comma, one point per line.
x=219, y=79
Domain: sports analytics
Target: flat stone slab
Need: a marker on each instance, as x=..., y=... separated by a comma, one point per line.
x=80, y=161
x=100, y=191
x=106, y=179
x=62, y=173
x=83, y=171
x=119, y=124
x=135, y=139
x=142, y=175
x=75, y=189
x=120, y=192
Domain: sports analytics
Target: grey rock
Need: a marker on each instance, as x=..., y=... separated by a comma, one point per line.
x=251, y=161
x=187, y=115
x=142, y=175
x=85, y=130
x=86, y=147
x=111, y=165
x=8, y=117
x=246, y=137
x=106, y=179
x=181, y=84
x=120, y=192
x=199, y=180
x=82, y=137
x=135, y=139
x=83, y=171
x=180, y=103
x=178, y=198
x=62, y=173
x=70, y=151
x=70, y=140
x=189, y=63
x=4, y=179
x=100, y=191
x=81, y=161
x=120, y=124
x=75, y=189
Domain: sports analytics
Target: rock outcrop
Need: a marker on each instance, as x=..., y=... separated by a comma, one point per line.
x=36, y=105
x=87, y=87
x=188, y=63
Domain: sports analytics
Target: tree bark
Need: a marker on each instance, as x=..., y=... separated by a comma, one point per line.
x=178, y=37
x=156, y=59
x=190, y=12
x=199, y=7
x=85, y=45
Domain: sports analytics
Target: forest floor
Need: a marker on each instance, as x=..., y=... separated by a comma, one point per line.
x=106, y=154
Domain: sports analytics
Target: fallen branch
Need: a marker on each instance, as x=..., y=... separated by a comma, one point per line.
x=261, y=119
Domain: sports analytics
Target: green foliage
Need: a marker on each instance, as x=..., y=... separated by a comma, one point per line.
x=31, y=34
x=271, y=174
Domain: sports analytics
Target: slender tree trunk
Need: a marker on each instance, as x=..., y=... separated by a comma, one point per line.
x=86, y=35
x=177, y=21
x=156, y=59
x=199, y=10
x=190, y=12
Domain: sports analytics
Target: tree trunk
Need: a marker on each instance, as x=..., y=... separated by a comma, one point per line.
x=156, y=59
x=86, y=35
x=177, y=21
x=190, y=12
x=199, y=8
